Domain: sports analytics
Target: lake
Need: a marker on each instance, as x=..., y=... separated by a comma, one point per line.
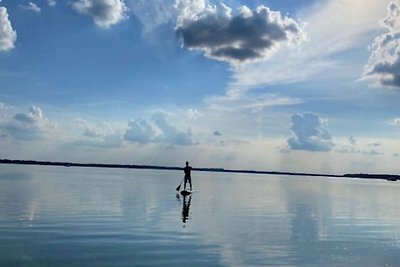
x=59, y=216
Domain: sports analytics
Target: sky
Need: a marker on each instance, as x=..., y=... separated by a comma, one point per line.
x=283, y=85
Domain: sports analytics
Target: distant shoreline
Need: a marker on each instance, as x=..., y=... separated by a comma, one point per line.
x=389, y=177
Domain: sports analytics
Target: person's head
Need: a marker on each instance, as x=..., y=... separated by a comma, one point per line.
x=187, y=163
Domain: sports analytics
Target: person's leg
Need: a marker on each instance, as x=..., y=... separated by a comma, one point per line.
x=190, y=182
x=184, y=186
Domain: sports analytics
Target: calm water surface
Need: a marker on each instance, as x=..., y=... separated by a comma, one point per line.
x=57, y=216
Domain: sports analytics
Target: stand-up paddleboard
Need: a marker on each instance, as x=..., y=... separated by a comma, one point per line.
x=185, y=193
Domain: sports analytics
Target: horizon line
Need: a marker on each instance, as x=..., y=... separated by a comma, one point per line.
x=389, y=177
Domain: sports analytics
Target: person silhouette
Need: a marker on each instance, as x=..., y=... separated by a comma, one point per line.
x=188, y=177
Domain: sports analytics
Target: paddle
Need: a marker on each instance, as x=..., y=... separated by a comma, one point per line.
x=179, y=186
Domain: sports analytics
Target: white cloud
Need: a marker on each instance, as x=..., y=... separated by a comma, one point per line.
x=105, y=13
x=384, y=62
x=93, y=130
x=139, y=131
x=152, y=13
x=394, y=122
x=28, y=126
x=193, y=114
x=310, y=133
x=93, y=135
x=52, y=3
x=245, y=36
x=7, y=35
x=31, y=7
x=169, y=133
x=159, y=130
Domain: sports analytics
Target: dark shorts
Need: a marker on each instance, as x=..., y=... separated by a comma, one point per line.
x=188, y=178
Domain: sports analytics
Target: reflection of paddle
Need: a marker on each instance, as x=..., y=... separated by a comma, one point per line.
x=179, y=186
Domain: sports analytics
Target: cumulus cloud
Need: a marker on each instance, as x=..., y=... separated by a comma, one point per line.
x=31, y=7
x=309, y=133
x=7, y=35
x=169, y=133
x=27, y=126
x=159, y=130
x=235, y=37
x=193, y=114
x=139, y=131
x=93, y=130
x=95, y=135
x=384, y=63
x=52, y=3
x=105, y=13
x=238, y=96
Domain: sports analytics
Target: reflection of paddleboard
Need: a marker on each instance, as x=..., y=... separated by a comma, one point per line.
x=185, y=193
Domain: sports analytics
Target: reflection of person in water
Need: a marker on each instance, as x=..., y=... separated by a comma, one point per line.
x=185, y=208
x=188, y=177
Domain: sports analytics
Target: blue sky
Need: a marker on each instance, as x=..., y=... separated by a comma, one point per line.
x=273, y=85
